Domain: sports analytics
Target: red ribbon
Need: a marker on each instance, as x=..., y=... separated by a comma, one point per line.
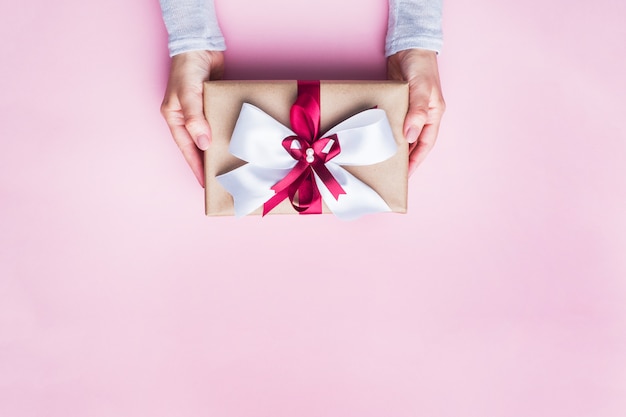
x=311, y=152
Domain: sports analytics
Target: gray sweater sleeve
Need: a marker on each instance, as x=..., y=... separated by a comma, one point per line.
x=192, y=25
x=414, y=24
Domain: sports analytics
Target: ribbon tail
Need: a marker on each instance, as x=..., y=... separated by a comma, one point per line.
x=270, y=204
x=251, y=186
x=286, y=187
x=359, y=200
x=329, y=180
x=309, y=197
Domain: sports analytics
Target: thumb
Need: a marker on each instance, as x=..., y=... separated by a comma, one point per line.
x=196, y=124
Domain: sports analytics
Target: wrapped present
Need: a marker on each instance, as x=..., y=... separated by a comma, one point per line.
x=306, y=147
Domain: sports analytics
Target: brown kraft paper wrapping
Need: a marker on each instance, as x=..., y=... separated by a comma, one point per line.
x=339, y=100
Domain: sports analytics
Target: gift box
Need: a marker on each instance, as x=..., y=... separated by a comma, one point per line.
x=233, y=107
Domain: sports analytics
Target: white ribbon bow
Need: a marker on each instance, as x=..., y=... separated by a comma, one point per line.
x=365, y=139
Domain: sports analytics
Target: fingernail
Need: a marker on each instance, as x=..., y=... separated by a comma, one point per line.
x=412, y=134
x=203, y=142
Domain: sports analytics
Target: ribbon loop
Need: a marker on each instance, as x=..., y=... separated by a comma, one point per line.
x=305, y=112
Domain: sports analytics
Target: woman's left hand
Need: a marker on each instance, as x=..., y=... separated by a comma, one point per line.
x=426, y=104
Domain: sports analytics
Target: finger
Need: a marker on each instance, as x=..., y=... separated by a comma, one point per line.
x=420, y=149
x=195, y=122
x=191, y=153
x=417, y=114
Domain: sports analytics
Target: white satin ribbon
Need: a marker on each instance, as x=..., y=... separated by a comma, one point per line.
x=365, y=139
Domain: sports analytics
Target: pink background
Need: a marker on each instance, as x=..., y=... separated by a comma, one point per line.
x=501, y=293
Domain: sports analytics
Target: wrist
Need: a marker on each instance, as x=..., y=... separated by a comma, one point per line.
x=203, y=63
x=418, y=52
x=203, y=55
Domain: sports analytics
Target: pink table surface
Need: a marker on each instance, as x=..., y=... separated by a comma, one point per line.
x=501, y=293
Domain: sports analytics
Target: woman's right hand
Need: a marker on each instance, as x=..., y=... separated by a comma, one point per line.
x=183, y=105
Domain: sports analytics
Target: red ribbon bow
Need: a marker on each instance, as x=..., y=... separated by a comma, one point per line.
x=311, y=152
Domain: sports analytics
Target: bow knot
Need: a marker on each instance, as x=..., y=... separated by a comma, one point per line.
x=299, y=185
